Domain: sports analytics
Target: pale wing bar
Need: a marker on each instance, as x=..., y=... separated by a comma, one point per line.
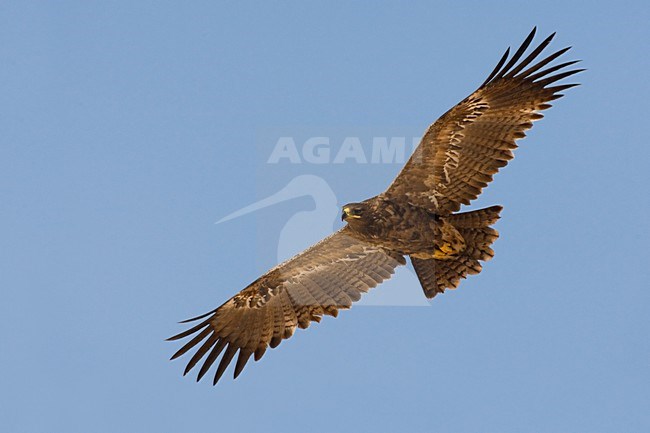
x=319, y=281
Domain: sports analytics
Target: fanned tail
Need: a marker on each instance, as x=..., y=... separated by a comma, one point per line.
x=437, y=275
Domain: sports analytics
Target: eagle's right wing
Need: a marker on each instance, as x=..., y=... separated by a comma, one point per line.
x=467, y=145
x=321, y=280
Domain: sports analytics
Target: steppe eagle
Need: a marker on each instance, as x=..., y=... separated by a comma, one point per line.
x=417, y=216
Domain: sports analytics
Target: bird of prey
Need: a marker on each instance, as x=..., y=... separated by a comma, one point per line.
x=417, y=216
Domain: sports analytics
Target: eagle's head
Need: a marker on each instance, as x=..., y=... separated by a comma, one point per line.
x=353, y=211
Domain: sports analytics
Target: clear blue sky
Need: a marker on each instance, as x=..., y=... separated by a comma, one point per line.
x=129, y=128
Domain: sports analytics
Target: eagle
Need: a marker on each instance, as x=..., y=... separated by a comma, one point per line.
x=417, y=216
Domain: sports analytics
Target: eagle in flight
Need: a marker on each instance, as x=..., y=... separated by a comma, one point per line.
x=417, y=216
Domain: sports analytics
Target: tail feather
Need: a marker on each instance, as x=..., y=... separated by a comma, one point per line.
x=478, y=242
x=436, y=275
x=476, y=219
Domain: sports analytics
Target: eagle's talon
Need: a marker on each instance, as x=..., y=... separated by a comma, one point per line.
x=446, y=251
x=439, y=255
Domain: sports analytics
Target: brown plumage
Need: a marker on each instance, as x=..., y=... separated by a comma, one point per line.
x=414, y=217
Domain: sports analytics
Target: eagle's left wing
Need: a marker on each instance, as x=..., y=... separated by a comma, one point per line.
x=461, y=151
x=324, y=278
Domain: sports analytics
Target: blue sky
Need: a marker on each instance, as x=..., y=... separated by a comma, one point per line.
x=130, y=128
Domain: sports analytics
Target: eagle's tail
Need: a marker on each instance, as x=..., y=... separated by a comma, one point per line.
x=436, y=275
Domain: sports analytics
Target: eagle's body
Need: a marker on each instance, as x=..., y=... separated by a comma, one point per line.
x=417, y=216
x=432, y=241
x=404, y=228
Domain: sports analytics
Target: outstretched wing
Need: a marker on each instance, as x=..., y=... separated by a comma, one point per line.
x=461, y=151
x=323, y=279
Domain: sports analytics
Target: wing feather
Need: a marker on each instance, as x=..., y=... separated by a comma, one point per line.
x=462, y=150
x=321, y=280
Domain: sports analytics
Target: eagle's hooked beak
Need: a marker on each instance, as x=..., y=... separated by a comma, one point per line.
x=346, y=214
